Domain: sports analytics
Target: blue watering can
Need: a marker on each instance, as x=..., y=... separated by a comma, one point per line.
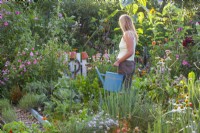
x=112, y=81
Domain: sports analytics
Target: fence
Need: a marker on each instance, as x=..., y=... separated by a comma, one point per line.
x=77, y=63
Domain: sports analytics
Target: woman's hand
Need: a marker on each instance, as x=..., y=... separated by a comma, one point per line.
x=116, y=64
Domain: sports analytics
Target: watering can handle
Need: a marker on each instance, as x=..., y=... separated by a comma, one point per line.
x=100, y=75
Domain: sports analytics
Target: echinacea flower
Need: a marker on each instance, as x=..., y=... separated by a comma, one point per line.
x=17, y=12
x=1, y=16
x=179, y=29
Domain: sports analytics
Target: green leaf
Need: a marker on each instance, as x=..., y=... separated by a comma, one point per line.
x=140, y=17
x=93, y=19
x=142, y=2
x=116, y=29
x=140, y=30
x=135, y=8
x=113, y=14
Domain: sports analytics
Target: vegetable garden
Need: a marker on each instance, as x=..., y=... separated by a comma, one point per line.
x=39, y=38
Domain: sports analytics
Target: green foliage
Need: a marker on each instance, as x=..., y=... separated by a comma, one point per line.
x=86, y=88
x=4, y=104
x=121, y=105
x=7, y=112
x=38, y=87
x=20, y=127
x=9, y=115
x=31, y=100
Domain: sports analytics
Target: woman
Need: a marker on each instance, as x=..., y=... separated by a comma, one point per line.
x=125, y=59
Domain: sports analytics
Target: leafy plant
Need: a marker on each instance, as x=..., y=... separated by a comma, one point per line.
x=9, y=115
x=4, y=104
x=31, y=100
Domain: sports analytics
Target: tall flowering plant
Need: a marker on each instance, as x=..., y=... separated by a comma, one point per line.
x=21, y=69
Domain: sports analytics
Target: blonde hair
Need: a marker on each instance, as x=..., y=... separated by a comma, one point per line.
x=126, y=24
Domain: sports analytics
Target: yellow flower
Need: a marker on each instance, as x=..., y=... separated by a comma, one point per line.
x=152, y=11
x=75, y=49
x=137, y=52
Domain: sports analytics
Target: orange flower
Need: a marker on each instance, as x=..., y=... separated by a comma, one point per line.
x=153, y=43
x=44, y=118
x=124, y=130
x=10, y=131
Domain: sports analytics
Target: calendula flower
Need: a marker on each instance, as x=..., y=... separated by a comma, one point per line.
x=44, y=118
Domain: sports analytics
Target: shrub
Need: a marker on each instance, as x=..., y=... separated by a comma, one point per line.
x=31, y=100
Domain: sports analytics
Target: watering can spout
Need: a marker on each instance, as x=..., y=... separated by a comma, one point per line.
x=100, y=75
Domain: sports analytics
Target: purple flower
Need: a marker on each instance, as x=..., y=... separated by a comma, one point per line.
x=1, y=16
x=177, y=56
x=1, y=2
x=5, y=79
x=179, y=29
x=33, y=49
x=60, y=15
x=17, y=12
x=31, y=54
x=8, y=13
x=1, y=82
x=19, y=60
x=5, y=23
x=185, y=63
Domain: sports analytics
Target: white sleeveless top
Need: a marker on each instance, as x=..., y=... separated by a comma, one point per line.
x=123, y=49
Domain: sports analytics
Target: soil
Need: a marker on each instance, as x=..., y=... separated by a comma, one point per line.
x=26, y=117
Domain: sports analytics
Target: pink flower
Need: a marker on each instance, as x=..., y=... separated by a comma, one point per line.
x=28, y=62
x=1, y=16
x=185, y=63
x=17, y=12
x=21, y=66
x=35, y=61
x=31, y=54
x=23, y=53
x=36, y=53
x=1, y=2
x=177, y=56
x=24, y=69
x=33, y=49
x=19, y=60
x=5, y=23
